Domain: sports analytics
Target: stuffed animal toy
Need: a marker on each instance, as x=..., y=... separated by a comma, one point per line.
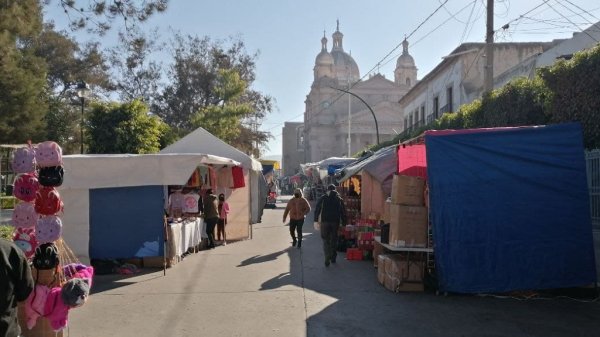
x=73, y=294
x=26, y=186
x=24, y=238
x=23, y=160
x=48, y=229
x=47, y=201
x=48, y=154
x=35, y=303
x=78, y=270
x=24, y=215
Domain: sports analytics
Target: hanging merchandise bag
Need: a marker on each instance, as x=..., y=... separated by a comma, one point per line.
x=51, y=176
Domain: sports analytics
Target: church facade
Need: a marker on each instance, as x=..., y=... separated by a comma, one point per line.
x=330, y=112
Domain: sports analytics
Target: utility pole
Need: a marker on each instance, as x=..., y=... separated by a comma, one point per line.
x=488, y=73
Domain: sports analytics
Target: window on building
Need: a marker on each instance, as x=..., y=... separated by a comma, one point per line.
x=449, y=102
x=406, y=123
x=422, y=114
x=408, y=81
x=436, y=107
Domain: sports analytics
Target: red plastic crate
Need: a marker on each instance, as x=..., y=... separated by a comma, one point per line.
x=354, y=254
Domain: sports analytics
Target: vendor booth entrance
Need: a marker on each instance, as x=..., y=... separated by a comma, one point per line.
x=246, y=203
x=116, y=203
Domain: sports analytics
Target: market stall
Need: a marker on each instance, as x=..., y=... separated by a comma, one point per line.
x=510, y=208
x=116, y=203
x=245, y=202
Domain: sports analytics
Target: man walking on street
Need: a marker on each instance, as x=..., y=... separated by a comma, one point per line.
x=297, y=207
x=330, y=212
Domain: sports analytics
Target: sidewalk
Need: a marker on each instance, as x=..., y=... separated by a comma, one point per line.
x=264, y=287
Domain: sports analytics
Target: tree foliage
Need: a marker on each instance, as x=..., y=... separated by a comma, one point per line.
x=136, y=75
x=22, y=73
x=98, y=16
x=123, y=128
x=209, y=87
x=574, y=88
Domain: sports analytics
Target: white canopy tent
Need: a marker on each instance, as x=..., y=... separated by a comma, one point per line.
x=246, y=203
x=88, y=172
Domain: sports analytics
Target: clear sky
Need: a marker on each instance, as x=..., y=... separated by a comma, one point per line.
x=287, y=34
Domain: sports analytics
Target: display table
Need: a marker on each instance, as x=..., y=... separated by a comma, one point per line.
x=182, y=236
x=381, y=248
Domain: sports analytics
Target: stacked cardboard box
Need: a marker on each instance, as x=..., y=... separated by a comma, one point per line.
x=397, y=273
x=408, y=216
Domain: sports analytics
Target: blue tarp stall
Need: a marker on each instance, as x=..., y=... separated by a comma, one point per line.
x=114, y=204
x=510, y=209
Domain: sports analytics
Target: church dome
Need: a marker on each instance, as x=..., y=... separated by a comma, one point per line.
x=324, y=58
x=405, y=60
x=344, y=65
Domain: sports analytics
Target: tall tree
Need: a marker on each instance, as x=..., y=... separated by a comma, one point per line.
x=67, y=63
x=98, y=16
x=136, y=75
x=22, y=73
x=123, y=128
x=210, y=86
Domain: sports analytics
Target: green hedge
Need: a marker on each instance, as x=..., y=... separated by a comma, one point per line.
x=8, y=202
x=6, y=232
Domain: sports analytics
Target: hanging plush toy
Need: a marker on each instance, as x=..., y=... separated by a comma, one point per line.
x=73, y=294
x=26, y=186
x=24, y=238
x=48, y=154
x=48, y=229
x=24, y=215
x=23, y=160
x=47, y=201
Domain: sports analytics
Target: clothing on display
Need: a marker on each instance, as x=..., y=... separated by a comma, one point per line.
x=224, y=177
x=190, y=202
x=238, y=177
x=176, y=204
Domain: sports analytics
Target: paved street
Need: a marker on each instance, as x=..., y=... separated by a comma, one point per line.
x=263, y=287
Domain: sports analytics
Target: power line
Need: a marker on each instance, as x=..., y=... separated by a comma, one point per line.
x=561, y=14
x=522, y=15
x=583, y=10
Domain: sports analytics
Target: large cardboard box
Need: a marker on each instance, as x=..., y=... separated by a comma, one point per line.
x=386, y=211
x=407, y=190
x=381, y=276
x=378, y=258
x=391, y=283
x=411, y=270
x=408, y=226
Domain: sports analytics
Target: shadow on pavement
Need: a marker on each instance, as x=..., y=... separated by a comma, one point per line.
x=357, y=305
x=260, y=258
x=113, y=281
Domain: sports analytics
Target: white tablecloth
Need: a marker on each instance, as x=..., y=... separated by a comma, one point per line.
x=184, y=235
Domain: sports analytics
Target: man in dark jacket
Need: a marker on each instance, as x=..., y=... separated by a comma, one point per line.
x=330, y=211
x=16, y=284
x=211, y=216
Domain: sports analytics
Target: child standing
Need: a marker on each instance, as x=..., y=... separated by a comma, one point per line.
x=223, y=208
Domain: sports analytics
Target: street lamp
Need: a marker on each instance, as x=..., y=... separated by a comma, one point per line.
x=83, y=90
x=368, y=106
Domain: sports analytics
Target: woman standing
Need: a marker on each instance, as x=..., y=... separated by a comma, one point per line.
x=211, y=216
x=223, y=211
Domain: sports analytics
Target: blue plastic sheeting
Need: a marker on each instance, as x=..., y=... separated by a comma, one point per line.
x=332, y=168
x=126, y=221
x=510, y=210
x=267, y=168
